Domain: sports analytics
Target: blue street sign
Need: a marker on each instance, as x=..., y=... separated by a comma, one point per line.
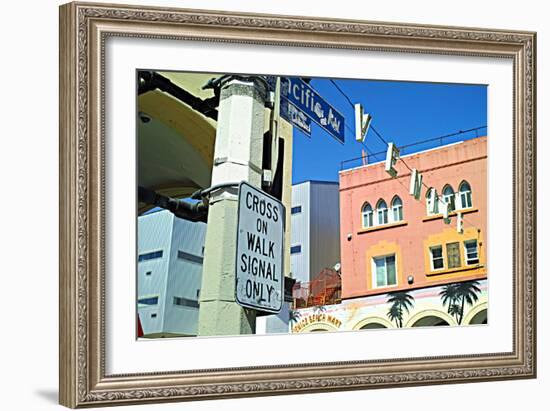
x=306, y=100
x=295, y=117
x=289, y=112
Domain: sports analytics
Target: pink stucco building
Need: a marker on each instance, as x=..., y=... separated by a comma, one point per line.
x=390, y=241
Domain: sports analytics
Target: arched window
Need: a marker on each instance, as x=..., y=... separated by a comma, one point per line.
x=465, y=195
x=432, y=202
x=449, y=196
x=397, y=209
x=382, y=212
x=366, y=214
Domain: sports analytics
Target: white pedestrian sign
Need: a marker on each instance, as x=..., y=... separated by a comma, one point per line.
x=260, y=239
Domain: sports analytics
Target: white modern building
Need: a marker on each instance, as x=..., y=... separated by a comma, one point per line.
x=315, y=240
x=315, y=228
x=169, y=273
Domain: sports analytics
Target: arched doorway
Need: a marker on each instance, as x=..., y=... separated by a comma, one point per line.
x=430, y=321
x=372, y=326
x=371, y=323
x=430, y=318
x=477, y=315
x=479, y=318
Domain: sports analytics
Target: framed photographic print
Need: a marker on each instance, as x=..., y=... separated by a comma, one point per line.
x=259, y=204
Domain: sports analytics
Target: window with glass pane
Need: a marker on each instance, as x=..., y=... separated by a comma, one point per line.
x=185, y=302
x=190, y=257
x=367, y=220
x=296, y=210
x=385, y=271
x=382, y=211
x=367, y=215
x=472, y=256
x=150, y=256
x=397, y=209
x=465, y=195
x=453, y=255
x=148, y=301
x=390, y=270
x=437, y=257
x=449, y=196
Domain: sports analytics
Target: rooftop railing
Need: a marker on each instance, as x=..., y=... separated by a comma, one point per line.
x=415, y=147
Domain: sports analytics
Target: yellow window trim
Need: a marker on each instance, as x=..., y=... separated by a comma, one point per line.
x=451, y=236
x=454, y=270
x=378, y=250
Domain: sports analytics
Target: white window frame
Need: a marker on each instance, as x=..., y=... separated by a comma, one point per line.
x=367, y=213
x=396, y=208
x=432, y=257
x=374, y=277
x=467, y=193
x=382, y=212
x=449, y=197
x=466, y=259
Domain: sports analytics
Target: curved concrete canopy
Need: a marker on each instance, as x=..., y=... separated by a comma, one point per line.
x=175, y=148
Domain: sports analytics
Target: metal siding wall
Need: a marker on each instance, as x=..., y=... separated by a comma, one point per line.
x=184, y=277
x=324, y=226
x=299, y=263
x=278, y=323
x=154, y=233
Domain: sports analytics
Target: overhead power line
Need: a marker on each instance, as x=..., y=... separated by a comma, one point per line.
x=342, y=92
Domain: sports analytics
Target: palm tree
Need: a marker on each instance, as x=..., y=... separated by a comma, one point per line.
x=394, y=315
x=457, y=295
x=449, y=297
x=400, y=301
x=294, y=316
x=454, y=310
x=468, y=293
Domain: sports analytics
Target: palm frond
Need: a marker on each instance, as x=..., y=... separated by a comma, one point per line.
x=469, y=290
x=294, y=316
x=449, y=294
x=454, y=309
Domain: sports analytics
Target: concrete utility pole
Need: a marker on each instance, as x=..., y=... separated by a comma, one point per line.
x=237, y=156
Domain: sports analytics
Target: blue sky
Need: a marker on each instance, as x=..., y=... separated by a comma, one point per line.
x=403, y=112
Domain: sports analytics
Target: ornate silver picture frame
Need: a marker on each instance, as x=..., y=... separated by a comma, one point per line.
x=84, y=30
